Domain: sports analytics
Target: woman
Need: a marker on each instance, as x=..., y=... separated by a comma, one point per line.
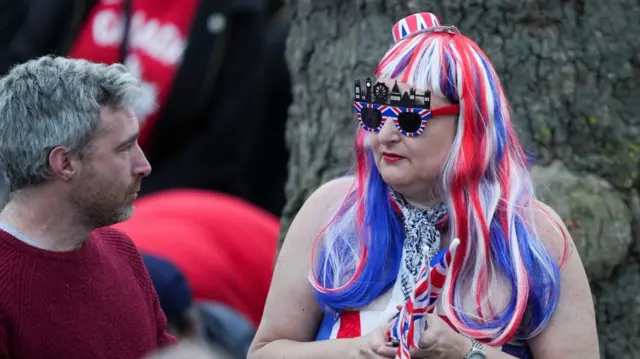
x=515, y=287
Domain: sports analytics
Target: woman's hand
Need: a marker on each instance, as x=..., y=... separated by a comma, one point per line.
x=438, y=341
x=376, y=344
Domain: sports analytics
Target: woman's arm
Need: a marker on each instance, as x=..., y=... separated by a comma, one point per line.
x=571, y=332
x=291, y=315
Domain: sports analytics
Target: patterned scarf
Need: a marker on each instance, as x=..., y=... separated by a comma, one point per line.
x=421, y=238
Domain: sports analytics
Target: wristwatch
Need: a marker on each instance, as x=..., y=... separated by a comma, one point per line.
x=477, y=351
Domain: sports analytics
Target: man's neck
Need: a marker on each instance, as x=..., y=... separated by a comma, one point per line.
x=51, y=226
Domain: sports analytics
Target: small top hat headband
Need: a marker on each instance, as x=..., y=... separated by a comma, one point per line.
x=410, y=109
x=419, y=23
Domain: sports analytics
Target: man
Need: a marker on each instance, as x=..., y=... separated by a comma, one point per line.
x=215, y=85
x=69, y=286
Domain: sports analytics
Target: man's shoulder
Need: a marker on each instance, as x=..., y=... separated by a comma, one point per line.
x=11, y=254
x=120, y=245
x=9, y=262
x=116, y=239
x=112, y=234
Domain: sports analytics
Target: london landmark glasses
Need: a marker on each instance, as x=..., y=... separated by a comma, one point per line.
x=409, y=111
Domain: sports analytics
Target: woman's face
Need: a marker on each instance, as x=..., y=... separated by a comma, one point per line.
x=412, y=165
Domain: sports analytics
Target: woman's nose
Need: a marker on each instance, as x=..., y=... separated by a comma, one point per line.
x=388, y=133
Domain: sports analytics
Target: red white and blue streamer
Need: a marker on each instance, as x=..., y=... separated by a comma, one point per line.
x=412, y=320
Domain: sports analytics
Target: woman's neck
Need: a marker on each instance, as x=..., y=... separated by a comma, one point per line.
x=423, y=204
x=422, y=198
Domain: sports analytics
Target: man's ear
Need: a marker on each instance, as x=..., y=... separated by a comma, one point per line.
x=62, y=163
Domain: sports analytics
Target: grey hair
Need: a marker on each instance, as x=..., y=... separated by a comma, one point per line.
x=55, y=101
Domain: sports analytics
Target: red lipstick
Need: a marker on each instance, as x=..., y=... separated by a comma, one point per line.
x=391, y=157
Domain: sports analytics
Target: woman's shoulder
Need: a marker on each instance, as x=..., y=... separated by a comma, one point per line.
x=322, y=205
x=328, y=198
x=552, y=231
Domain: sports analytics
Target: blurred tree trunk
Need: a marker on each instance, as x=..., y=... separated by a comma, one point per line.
x=571, y=70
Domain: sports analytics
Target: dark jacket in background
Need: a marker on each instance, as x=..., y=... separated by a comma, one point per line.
x=222, y=126
x=269, y=166
x=12, y=15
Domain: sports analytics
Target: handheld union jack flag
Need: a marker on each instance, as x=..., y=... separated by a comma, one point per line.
x=412, y=319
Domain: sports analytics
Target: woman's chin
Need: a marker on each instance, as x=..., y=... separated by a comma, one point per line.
x=395, y=178
x=407, y=182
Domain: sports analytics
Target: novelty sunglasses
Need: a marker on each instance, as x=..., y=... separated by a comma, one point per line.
x=409, y=111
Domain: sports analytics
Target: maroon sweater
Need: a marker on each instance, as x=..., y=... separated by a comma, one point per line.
x=95, y=302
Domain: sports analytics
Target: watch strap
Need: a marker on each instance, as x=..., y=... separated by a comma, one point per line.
x=476, y=348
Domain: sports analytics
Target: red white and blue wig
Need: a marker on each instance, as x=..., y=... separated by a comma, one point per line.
x=487, y=189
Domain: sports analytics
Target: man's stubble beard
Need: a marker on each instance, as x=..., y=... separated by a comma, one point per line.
x=96, y=209
x=102, y=213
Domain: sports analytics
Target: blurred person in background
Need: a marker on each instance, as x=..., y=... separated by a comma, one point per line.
x=71, y=287
x=209, y=324
x=186, y=350
x=215, y=83
x=225, y=247
x=273, y=154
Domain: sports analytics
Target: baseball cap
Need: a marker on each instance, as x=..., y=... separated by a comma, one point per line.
x=170, y=284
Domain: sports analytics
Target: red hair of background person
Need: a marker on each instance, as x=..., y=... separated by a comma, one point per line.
x=225, y=247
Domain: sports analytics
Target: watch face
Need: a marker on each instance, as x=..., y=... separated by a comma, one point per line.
x=477, y=355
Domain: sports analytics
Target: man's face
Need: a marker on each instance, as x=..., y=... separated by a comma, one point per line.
x=111, y=170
